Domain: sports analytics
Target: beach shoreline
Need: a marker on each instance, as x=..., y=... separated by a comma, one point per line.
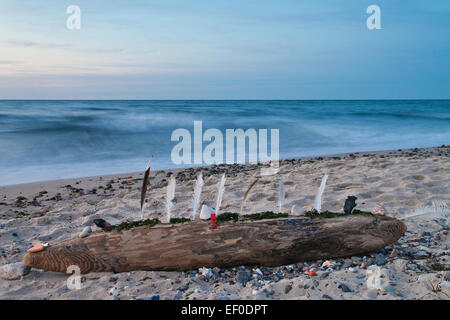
x=398, y=180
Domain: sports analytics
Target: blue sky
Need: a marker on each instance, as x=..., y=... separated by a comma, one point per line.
x=234, y=49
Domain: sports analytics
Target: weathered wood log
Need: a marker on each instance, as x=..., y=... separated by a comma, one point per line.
x=195, y=244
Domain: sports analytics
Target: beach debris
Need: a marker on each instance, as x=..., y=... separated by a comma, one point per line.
x=349, y=204
x=207, y=272
x=247, y=193
x=281, y=195
x=197, y=195
x=38, y=247
x=145, y=184
x=14, y=271
x=379, y=210
x=220, y=191
x=318, y=199
x=437, y=210
x=20, y=202
x=170, y=195
x=86, y=231
x=206, y=212
x=102, y=224
x=311, y=273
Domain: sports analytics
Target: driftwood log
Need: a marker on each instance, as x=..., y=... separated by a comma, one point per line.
x=193, y=245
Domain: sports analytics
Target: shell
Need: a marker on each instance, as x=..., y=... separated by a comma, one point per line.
x=379, y=210
x=36, y=248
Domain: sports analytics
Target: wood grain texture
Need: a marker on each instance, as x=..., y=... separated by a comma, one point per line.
x=195, y=244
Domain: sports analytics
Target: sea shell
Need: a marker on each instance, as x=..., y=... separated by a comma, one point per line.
x=38, y=247
x=379, y=210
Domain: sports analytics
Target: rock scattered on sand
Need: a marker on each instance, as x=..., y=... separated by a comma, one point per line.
x=379, y=210
x=13, y=271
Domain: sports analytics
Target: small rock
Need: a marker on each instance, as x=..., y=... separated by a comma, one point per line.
x=101, y=223
x=349, y=204
x=255, y=292
x=13, y=271
x=155, y=297
x=394, y=254
x=328, y=264
x=344, y=288
x=372, y=293
x=380, y=259
x=243, y=276
x=86, y=231
x=288, y=289
x=379, y=210
x=207, y=272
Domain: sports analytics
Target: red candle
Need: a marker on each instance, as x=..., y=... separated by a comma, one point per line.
x=213, y=218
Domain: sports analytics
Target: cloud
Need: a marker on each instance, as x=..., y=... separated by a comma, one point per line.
x=28, y=44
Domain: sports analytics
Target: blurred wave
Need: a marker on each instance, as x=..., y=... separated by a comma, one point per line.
x=46, y=140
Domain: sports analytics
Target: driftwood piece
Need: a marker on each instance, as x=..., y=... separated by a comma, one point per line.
x=195, y=244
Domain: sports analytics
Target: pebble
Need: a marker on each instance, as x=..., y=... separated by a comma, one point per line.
x=14, y=271
x=243, y=276
x=86, y=231
x=344, y=287
x=328, y=264
x=379, y=210
x=207, y=272
x=288, y=288
x=372, y=293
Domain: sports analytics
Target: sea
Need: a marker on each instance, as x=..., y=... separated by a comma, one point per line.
x=47, y=140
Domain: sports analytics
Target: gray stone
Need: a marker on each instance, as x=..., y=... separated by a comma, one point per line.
x=86, y=231
x=13, y=271
x=344, y=287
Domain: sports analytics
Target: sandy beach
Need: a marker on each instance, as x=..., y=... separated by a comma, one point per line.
x=416, y=267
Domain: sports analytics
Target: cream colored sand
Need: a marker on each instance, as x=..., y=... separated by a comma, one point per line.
x=398, y=180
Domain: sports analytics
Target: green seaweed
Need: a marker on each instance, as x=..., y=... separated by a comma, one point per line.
x=227, y=216
x=231, y=216
x=313, y=214
x=133, y=224
x=179, y=220
x=264, y=215
x=22, y=214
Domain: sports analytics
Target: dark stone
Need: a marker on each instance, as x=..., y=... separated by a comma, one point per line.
x=350, y=203
x=344, y=288
x=243, y=276
x=288, y=288
x=155, y=297
x=102, y=223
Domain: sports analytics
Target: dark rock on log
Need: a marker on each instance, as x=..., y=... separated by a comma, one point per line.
x=349, y=204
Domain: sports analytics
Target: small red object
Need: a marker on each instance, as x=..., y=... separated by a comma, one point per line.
x=312, y=273
x=213, y=218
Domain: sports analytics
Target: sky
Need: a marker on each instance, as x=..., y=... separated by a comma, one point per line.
x=233, y=49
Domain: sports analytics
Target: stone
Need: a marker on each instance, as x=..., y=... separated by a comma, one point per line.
x=344, y=287
x=86, y=231
x=13, y=271
x=349, y=204
x=288, y=288
x=207, y=272
x=379, y=210
x=243, y=276
x=372, y=293
x=101, y=223
x=380, y=259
